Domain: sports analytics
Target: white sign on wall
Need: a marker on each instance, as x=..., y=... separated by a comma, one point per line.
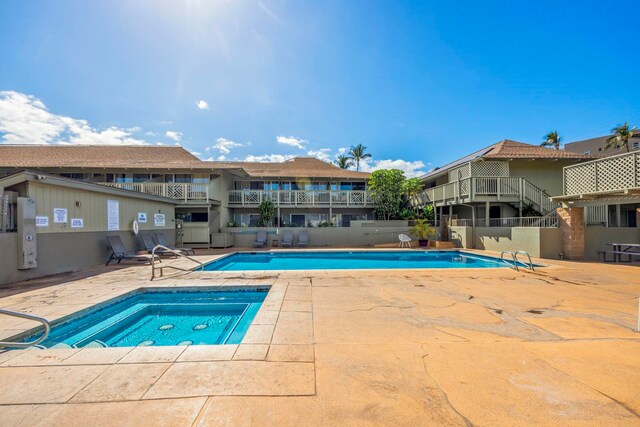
x=158, y=220
x=42, y=221
x=142, y=217
x=113, y=215
x=60, y=216
x=77, y=223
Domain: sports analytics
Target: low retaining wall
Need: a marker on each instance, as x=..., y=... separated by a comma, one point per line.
x=361, y=233
x=539, y=242
x=596, y=238
x=61, y=252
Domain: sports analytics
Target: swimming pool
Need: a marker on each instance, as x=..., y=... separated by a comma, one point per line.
x=350, y=260
x=161, y=318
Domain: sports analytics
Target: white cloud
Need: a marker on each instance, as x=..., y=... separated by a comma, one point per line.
x=24, y=119
x=411, y=169
x=342, y=150
x=322, y=154
x=176, y=136
x=279, y=158
x=224, y=145
x=292, y=141
x=202, y=104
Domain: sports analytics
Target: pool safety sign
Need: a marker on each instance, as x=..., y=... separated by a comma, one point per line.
x=158, y=220
x=77, y=222
x=142, y=217
x=60, y=216
x=113, y=215
x=42, y=221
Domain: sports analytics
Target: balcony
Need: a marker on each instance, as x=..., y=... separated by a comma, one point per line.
x=185, y=192
x=618, y=174
x=488, y=189
x=300, y=198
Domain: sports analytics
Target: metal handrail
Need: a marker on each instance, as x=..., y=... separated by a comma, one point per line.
x=173, y=251
x=515, y=256
x=45, y=323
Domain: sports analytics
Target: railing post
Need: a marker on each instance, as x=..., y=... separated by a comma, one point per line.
x=498, y=187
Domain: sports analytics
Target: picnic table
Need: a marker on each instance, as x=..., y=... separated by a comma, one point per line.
x=620, y=249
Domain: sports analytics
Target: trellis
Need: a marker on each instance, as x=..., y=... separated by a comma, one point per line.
x=612, y=173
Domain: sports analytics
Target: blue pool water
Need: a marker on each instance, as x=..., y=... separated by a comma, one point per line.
x=161, y=318
x=352, y=260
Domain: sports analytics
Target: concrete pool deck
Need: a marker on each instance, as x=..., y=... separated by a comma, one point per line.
x=350, y=347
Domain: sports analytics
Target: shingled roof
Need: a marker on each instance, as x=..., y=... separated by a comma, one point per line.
x=94, y=156
x=508, y=149
x=303, y=167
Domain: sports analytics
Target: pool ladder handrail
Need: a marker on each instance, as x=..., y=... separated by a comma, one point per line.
x=514, y=257
x=162, y=267
x=45, y=323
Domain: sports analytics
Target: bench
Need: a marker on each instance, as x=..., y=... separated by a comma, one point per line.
x=617, y=255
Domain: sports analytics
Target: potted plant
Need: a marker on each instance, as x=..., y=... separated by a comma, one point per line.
x=421, y=231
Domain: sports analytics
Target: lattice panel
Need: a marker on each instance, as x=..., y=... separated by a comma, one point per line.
x=616, y=173
x=252, y=197
x=357, y=198
x=580, y=179
x=461, y=172
x=637, y=158
x=305, y=197
x=490, y=168
x=175, y=191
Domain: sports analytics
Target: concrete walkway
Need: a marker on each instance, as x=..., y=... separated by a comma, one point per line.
x=405, y=347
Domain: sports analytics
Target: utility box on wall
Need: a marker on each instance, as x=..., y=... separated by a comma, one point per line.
x=27, y=243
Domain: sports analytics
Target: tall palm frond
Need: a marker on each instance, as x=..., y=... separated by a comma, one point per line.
x=343, y=161
x=358, y=153
x=620, y=137
x=552, y=139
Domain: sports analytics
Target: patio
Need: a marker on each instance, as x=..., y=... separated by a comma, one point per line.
x=410, y=347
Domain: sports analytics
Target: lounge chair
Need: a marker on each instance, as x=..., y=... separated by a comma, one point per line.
x=149, y=244
x=161, y=240
x=303, y=238
x=261, y=239
x=404, y=240
x=287, y=238
x=120, y=252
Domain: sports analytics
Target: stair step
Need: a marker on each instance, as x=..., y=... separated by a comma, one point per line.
x=442, y=245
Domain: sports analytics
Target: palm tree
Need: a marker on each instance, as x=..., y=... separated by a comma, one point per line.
x=343, y=161
x=357, y=153
x=552, y=139
x=621, y=136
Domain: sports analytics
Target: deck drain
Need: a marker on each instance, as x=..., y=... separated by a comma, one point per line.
x=185, y=342
x=200, y=327
x=146, y=343
x=165, y=327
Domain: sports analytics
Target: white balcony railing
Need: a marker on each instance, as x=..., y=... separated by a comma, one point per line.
x=173, y=190
x=616, y=173
x=340, y=198
x=478, y=189
x=547, y=221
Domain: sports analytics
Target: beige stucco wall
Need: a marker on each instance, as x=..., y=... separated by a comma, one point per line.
x=539, y=242
x=361, y=233
x=545, y=174
x=93, y=209
x=597, y=237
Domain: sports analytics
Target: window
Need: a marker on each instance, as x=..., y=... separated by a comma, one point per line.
x=353, y=186
x=77, y=176
x=315, y=185
x=636, y=145
x=246, y=220
x=304, y=220
x=141, y=177
x=183, y=178
x=121, y=177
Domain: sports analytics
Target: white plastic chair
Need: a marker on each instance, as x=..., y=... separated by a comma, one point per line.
x=404, y=239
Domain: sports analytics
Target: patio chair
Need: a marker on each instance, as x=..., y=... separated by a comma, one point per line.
x=303, y=238
x=261, y=239
x=404, y=240
x=120, y=252
x=149, y=244
x=287, y=238
x=161, y=240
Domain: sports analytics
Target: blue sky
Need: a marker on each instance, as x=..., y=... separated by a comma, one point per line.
x=418, y=83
